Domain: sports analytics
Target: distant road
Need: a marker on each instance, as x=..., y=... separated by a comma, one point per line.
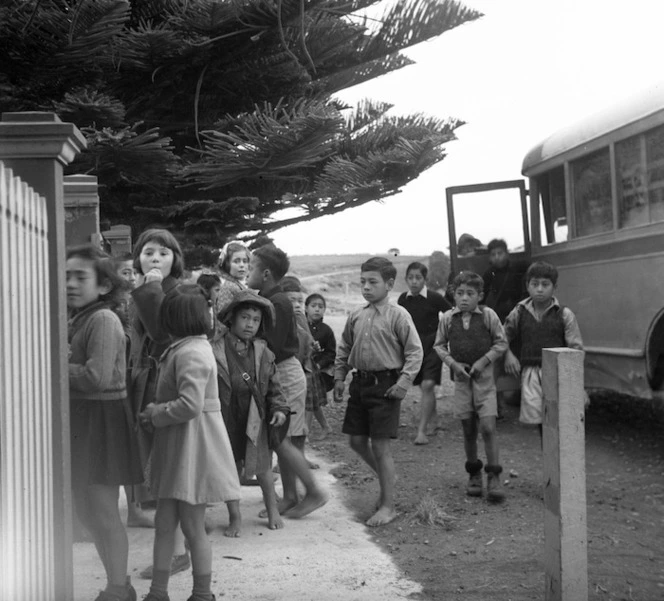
x=328, y=274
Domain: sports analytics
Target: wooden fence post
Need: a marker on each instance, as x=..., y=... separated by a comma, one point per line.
x=36, y=146
x=565, y=534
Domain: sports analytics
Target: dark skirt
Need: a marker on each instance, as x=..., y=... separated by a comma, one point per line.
x=103, y=444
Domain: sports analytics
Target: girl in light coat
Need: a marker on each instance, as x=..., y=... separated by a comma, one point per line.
x=192, y=460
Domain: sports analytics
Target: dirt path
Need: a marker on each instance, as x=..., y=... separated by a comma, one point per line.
x=444, y=545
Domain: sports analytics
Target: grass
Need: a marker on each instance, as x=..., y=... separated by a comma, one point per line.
x=429, y=513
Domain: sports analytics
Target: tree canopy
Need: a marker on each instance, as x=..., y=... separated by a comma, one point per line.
x=210, y=116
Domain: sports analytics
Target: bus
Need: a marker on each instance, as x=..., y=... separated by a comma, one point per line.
x=593, y=206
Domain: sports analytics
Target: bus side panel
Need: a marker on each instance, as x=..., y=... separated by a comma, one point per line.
x=614, y=313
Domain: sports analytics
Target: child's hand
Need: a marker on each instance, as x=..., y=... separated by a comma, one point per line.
x=338, y=391
x=512, y=365
x=154, y=275
x=478, y=367
x=316, y=346
x=460, y=370
x=278, y=418
x=145, y=417
x=395, y=393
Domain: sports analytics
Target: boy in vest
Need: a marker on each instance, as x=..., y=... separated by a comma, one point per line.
x=538, y=322
x=381, y=343
x=469, y=340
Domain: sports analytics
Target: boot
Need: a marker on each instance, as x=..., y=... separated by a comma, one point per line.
x=474, y=486
x=495, y=492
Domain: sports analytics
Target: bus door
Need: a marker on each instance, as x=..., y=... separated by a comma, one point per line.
x=480, y=212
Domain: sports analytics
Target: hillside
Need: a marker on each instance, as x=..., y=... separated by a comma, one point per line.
x=337, y=277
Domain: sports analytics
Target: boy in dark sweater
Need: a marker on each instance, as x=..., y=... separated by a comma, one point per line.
x=425, y=307
x=538, y=322
x=469, y=340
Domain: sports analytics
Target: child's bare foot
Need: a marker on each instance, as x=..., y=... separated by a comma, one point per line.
x=323, y=434
x=311, y=502
x=312, y=465
x=383, y=516
x=275, y=522
x=282, y=507
x=234, y=527
x=421, y=439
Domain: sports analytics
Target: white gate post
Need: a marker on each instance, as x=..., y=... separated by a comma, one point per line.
x=36, y=146
x=565, y=533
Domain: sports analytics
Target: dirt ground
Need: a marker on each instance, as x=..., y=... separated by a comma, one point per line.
x=465, y=548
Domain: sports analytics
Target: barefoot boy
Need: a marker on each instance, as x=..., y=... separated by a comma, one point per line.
x=380, y=341
x=538, y=322
x=425, y=307
x=469, y=340
x=268, y=266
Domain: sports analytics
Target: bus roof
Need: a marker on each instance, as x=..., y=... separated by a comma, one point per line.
x=583, y=132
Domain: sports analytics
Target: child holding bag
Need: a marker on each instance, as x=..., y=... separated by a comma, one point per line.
x=251, y=395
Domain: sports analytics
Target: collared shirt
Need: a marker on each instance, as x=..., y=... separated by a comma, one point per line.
x=380, y=336
x=492, y=323
x=422, y=292
x=572, y=331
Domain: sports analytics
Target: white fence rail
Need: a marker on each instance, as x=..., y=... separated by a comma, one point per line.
x=26, y=436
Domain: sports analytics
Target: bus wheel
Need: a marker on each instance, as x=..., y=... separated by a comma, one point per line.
x=655, y=354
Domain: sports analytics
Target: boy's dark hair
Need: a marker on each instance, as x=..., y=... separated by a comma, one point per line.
x=382, y=265
x=185, y=311
x=496, y=243
x=165, y=238
x=542, y=269
x=421, y=267
x=274, y=259
x=469, y=278
x=106, y=271
x=313, y=297
x=126, y=256
x=290, y=283
x=208, y=280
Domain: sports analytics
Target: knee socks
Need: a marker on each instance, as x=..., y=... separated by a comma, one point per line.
x=201, y=590
x=159, y=585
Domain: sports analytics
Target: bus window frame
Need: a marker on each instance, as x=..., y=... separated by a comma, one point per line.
x=450, y=192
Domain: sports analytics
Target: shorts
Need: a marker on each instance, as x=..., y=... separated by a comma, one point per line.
x=432, y=368
x=476, y=397
x=294, y=385
x=532, y=395
x=369, y=412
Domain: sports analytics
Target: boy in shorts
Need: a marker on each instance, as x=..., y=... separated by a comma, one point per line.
x=267, y=267
x=469, y=340
x=425, y=307
x=538, y=322
x=381, y=343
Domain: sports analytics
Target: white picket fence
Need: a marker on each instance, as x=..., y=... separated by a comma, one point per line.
x=26, y=436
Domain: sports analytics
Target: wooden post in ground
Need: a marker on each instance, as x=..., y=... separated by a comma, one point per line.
x=565, y=535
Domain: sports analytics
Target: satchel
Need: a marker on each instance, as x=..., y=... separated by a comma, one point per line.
x=275, y=434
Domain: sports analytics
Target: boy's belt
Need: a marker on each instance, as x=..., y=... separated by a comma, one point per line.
x=374, y=376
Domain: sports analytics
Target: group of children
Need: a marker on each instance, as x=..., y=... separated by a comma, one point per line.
x=205, y=390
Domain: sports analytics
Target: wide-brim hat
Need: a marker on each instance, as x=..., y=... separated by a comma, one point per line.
x=251, y=298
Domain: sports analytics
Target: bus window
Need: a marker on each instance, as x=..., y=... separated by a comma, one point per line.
x=632, y=192
x=553, y=209
x=655, y=167
x=591, y=180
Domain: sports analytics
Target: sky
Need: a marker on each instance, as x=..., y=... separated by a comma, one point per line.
x=518, y=74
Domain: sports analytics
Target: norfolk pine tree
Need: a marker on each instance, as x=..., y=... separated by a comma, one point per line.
x=210, y=116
